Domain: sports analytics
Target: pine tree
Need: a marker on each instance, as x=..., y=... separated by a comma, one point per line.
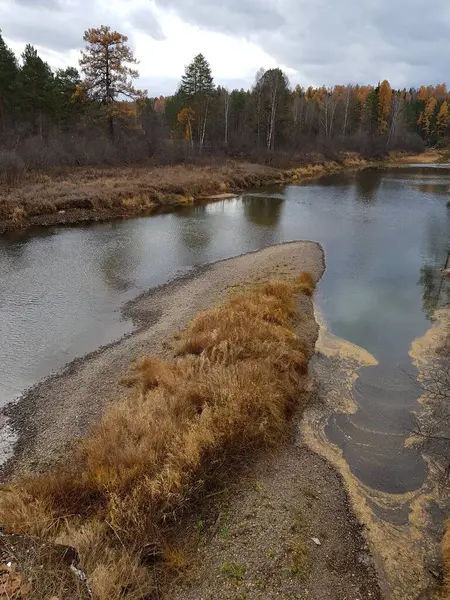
x=196, y=90
x=104, y=64
x=36, y=83
x=67, y=99
x=9, y=71
x=197, y=78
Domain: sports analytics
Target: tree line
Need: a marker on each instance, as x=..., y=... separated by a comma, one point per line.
x=95, y=115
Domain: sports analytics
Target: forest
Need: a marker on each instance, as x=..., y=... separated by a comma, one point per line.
x=95, y=116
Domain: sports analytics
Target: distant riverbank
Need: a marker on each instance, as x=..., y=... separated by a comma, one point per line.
x=99, y=194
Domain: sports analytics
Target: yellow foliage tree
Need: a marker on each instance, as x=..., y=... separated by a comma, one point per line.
x=426, y=116
x=384, y=106
x=443, y=119
x=423, y=94
x=186, y=117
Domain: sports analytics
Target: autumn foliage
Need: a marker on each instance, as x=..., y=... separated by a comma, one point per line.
x=98, y=116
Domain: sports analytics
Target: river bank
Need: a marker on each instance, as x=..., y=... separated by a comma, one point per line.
x=289, y=487
x=99, y=194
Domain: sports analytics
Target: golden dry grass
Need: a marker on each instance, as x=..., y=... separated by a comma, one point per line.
x=121, y=191
x=101, y=193
x=445, y=592
x=237, y=377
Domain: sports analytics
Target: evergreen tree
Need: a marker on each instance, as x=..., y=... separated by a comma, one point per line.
x=197, y=78
x=196, y=91
x=36, y=82
x=68, y=100
x=105, y=65
x=9, y=71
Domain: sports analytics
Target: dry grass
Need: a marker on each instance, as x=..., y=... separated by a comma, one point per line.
x=237, y=376
x=444, y=593
x=95, y=193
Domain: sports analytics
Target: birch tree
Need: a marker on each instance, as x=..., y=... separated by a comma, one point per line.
x=273, y=87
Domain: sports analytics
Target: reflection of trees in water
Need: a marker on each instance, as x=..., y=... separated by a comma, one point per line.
x=119, y=255
x=263, y=210
x=436, y=287
x=113, y=265
x=19, y=246
x=441, y=189
x=367, y=183
x=194, y=227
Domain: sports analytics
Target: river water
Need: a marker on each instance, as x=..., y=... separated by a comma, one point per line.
x=385, y=234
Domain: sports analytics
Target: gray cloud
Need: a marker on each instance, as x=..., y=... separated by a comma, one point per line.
x=143, y=19
x=230, y=16
x=58, y=25
x=324, y=41
x=331, y=42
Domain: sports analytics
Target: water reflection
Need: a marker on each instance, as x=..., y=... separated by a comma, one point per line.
x=367, y=184
x=263, y=210
x=194, y=228
x=440, y=189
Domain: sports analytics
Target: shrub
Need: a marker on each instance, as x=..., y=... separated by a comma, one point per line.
x=12, y=168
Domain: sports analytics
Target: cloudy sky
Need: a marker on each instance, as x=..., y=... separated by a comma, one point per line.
x=315, y=41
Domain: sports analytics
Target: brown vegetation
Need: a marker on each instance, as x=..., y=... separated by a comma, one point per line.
x=97, y=194
x=237, y=376
x=446, y=558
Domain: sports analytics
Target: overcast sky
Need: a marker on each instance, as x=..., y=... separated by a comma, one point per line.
x=314, y=41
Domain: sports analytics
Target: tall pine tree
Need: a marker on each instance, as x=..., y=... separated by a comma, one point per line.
x=105, y=64
x=36, y=82
x=9, y=71
x=196, y=90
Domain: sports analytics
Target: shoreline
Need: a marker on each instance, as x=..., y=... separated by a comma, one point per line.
x=99, y=195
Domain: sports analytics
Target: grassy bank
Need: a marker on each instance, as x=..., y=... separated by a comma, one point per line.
x=430, y=156
x=95, y=194
x=237, y=375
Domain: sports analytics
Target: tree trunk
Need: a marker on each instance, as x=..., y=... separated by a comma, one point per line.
x=108, y=99
x=227, y=106
x=347, y=102
x=190, y=135
x=203, y=131
x=273, y=111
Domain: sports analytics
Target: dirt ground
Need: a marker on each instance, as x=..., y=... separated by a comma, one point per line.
x=285, y=530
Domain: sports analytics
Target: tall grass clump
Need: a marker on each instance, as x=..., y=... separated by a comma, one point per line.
x=236, y=378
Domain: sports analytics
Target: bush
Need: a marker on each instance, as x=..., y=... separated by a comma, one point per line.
x=12, y=168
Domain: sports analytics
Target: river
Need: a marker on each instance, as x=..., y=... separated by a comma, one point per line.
x=385, y=234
